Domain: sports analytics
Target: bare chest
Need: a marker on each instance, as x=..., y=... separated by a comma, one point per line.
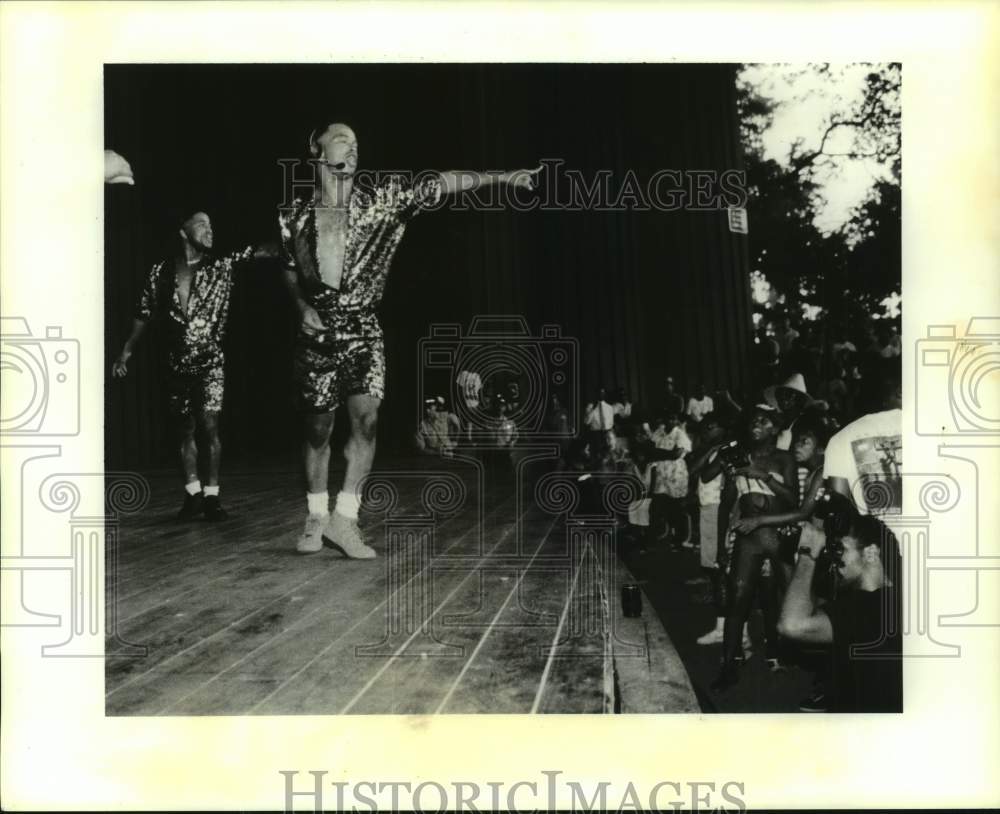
x=331, y=243
x=184, y=278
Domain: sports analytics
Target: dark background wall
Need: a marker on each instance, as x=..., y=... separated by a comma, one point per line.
x=644, y=292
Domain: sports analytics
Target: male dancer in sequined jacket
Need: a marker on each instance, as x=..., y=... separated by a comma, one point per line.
x=338, y=248
x=189, y=294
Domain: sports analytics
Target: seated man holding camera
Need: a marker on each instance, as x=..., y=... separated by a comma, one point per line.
x=862, y=622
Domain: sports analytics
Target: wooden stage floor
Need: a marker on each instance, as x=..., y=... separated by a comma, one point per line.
x=482, y=600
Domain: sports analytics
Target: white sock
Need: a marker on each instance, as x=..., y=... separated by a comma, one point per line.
x=319, y=503
x=193, y=487
x=211, y=490
x=348, y=505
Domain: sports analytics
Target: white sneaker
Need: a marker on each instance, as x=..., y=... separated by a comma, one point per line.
x=712, y=637
x=311, y=540
x=343, y=534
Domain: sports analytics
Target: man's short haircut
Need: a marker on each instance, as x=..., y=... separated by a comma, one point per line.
x=183, y=212
x=869, y=530
x=320, y=126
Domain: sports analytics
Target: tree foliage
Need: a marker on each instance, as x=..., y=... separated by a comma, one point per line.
x=851, y=270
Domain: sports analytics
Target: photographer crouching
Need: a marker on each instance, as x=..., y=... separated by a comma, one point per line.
x=862, y=622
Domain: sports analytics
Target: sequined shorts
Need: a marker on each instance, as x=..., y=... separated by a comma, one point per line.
x=195, y=392
x=349, y=360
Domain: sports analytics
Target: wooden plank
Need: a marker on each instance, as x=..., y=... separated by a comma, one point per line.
x=339, y=675
x=325, y=607
x=239, y=624
x=169, y=623
x=416, y=680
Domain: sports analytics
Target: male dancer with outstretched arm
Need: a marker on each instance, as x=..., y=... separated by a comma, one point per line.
x=339, y=246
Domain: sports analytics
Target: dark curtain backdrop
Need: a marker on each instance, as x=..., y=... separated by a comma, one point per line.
x=645, y=293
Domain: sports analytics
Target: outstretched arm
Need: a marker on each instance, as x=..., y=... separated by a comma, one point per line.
x=454, y=181
x=726, y=397
x=255, y=251
x=699, y=461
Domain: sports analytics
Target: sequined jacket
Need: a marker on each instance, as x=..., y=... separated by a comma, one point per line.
x=193, y=338
x=377, y=217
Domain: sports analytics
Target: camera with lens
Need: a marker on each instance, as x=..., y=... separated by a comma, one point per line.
x=837, y=513
x=734, y=456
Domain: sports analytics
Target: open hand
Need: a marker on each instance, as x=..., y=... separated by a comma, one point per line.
x=311, y=323
x=747, y=525
x=120, y=366
x=526, y=179
x=116, y=169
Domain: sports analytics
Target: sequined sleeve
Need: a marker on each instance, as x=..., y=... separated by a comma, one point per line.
x=286, y=251
x=237, y=259
x=147, y=300
x=409, y=197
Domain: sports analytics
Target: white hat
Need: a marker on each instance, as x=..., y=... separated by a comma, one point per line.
x=794, y=382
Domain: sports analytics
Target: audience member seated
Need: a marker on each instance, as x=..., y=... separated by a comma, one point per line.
x=439, y=429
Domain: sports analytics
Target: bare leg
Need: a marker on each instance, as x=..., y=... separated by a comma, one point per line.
x=188, y=449
x=360, y=448
x=210, y=426
x=192, y=507
x=342, y=531
x=744, y=577
x=316, y=450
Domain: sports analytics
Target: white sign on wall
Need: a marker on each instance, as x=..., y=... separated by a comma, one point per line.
x=738, y=219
